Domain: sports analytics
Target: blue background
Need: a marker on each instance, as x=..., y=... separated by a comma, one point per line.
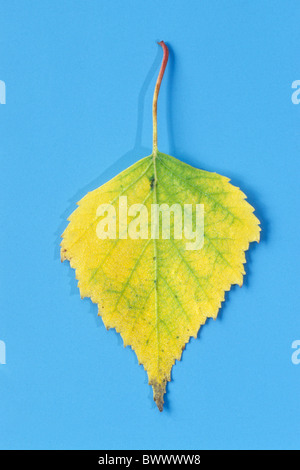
x=80, y=78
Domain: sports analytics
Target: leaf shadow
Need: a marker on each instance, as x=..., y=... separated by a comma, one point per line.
x=169, y=102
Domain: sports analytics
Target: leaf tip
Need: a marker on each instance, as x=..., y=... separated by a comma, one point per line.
x=159, y=389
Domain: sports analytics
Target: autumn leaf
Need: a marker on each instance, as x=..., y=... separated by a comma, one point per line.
x=154, y=283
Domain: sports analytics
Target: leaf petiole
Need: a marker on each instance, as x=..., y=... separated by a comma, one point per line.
x=156, y=92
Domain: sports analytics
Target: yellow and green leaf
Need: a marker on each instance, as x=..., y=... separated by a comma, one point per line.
x=155, y=292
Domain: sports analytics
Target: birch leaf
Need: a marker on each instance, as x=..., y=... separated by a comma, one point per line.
x=158, y=291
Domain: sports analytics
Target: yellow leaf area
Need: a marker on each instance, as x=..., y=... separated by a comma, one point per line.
x=155, y=292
